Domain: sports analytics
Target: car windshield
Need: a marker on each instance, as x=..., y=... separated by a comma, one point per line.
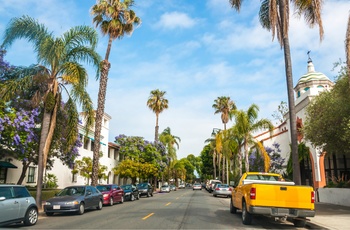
x=72, y=191
x=223, y=185
x=142, y=185
x=164, y=186
x=126, y=187
x=103, y=188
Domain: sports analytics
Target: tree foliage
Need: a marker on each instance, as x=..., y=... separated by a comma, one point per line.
x=328, y=118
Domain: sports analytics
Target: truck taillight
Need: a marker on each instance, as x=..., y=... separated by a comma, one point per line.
x=312, y=197
x=252, y=193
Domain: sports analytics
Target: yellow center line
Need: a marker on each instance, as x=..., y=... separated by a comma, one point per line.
x=168, y=204
x=148, y=216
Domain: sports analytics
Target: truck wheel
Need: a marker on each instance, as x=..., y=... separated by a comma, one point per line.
x=246, y=216
x=232, y=208
x=299, y=223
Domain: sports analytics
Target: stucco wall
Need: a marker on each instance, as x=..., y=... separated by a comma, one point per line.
x=339, y=196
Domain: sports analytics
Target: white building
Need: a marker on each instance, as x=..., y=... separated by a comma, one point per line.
x=308, y=86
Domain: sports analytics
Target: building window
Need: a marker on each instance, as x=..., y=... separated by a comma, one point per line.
x=92, y=145
x=86, y=143
x=306, y=89
x=298, y=95
x=109, y=152
x=31, y=175
x=3, y=175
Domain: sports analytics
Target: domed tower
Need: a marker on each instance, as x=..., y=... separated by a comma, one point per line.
x=311, y=84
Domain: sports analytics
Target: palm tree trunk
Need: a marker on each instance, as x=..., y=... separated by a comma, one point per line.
x=223, y=169
x=347, y=48
x=240, y=162
x=292, y=112
x=156, y=131
x=227, y=171
x=246, y=156
x=214, y=163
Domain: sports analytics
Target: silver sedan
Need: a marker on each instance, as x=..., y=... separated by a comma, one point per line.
x=222, y=190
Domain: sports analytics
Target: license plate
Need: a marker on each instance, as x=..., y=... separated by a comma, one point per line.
x=224, y=189
x=56, y=207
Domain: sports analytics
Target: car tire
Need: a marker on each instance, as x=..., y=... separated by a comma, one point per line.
x=122, y=199
x=138, y=196
x=214, y=195
x=100, y=205
x=300, y=223
x=152, y=194
x=132, y=197
x=81, y=209
x=246, y=216
x=31, y=217
x=233, y=209
x=111, y=201
x=148, y=195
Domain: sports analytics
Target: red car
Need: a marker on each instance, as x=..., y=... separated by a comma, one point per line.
x=112, y=193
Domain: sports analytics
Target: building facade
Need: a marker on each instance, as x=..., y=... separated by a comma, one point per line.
x=11, y=169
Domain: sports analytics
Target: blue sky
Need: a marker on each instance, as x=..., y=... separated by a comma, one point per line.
x=194, y=50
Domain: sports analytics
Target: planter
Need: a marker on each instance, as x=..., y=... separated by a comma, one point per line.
x=338, y=196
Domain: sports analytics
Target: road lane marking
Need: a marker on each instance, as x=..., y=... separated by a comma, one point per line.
x=148, y=216
x=168, y=204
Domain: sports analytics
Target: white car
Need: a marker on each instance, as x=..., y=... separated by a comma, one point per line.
x=165, y=188
x=197, y=186
x=182, y=185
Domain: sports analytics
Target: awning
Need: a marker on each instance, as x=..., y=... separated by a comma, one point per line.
x=5, y=164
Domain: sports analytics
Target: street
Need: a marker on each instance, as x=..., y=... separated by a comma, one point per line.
x=181, y=209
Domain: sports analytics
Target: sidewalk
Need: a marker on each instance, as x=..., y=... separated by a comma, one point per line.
x=330, y=216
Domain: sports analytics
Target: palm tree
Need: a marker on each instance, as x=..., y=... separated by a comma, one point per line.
x=212, y=144
x=58, y=65
x=226, y=107
x=246, y=124
x=274, y=16
x=157, y=103
x=347, y=48
x=115, y=19
x=169, y=141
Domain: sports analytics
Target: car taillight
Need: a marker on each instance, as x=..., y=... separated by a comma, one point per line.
x=312, y=197
x=229, y=189
x=252, y=193
x=217, y=189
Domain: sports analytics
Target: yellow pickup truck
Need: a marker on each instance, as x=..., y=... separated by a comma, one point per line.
x=268, y=194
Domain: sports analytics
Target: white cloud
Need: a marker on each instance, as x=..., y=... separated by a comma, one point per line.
x=173, y=20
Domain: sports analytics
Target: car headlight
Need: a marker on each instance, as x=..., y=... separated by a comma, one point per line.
x=128, y=193
x=72, y=202
x=47, y=203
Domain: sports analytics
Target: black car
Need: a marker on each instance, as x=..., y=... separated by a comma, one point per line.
x=145, y=189
x=131, y=192
x=74, y=199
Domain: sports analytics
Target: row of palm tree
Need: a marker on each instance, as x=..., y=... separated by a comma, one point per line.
x=227, y=144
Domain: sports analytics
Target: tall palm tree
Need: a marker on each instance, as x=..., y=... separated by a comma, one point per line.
x=212, y=142
x=274, y=16
x=58, y=65
x=226, y=107
x=157, y=103
x=246, y=124
x=347, y=48
x=115, y=19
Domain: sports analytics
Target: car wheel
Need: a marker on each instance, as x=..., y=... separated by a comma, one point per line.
x=138, y=196
x=152, y=194
x=214, y=195
x=122, y=199
x=49, y=213
x=246, y=216
x=148, y=194
x=132, y=198
x=81, y=209
x=233, y=209
x=111, y=201
x=100, y=205
x=31, y=216
x=299, y=223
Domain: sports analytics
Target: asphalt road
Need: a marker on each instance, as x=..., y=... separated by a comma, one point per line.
x=181, y=209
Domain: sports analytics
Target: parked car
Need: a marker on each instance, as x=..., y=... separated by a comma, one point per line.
x=17, y=206
x=74, y=199
x=172, y=187
x=197, y=186
x=222, y=190
x=145, y=189
x=131, y=192
x=112, y=193
x=211, y=184
x=165, y=188
x=181, y=185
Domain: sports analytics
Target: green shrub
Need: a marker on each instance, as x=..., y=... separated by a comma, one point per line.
x=45, y=193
